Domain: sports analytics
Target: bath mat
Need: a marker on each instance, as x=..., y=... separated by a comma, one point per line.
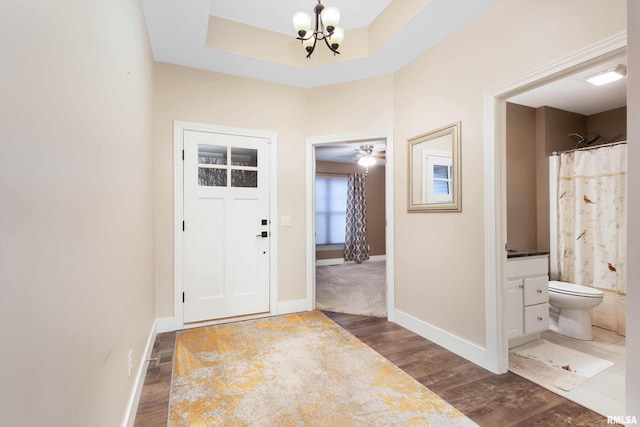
x=293, y=370
x=545, y=363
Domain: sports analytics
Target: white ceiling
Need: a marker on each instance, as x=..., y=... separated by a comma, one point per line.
x=178, y=33
x=573, y=93
x=276, y=15
x=347, y=152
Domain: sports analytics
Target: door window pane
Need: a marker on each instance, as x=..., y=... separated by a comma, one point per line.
x=244, y=157
x=212, y=155
x=441, y=187
x=243, y=178
x=440, y=171
x=441, y=179
x=211, y=177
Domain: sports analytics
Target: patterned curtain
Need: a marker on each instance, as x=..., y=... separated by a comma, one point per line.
x=592, y=228
x=356, y=247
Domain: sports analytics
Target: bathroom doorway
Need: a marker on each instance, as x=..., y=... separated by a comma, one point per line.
x=536, y=124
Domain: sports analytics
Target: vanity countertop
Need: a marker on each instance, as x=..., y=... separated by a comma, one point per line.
x=519, y=253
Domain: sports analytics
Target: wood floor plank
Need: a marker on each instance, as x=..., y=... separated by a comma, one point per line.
x=154, y=400
x=486, y=398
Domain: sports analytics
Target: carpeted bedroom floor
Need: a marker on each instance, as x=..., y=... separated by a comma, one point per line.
x=352, y=288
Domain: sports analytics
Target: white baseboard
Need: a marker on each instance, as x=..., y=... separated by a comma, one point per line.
x=134, y=399
x=338, y=261
x=459, y=346
x=165, y=324
x=295, y=306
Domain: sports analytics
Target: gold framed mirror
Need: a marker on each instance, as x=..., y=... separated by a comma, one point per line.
x=434, y=171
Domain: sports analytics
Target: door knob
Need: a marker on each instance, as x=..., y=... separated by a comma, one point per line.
x=263, y=234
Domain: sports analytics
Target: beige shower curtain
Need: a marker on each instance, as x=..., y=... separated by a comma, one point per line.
x=592, y=227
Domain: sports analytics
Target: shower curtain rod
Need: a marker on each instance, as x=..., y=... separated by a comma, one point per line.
x=611, y=144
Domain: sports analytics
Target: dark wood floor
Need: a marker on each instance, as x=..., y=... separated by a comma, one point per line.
x=486, y=398
x=153, y=409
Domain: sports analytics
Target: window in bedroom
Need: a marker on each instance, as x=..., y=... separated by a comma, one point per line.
x=331, y=208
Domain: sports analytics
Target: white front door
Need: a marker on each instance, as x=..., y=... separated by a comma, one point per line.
x=226, y=229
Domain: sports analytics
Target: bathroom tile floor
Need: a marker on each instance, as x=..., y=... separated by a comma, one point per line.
x=604, y=393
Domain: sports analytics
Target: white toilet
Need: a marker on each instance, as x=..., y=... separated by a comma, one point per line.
x=569, y=309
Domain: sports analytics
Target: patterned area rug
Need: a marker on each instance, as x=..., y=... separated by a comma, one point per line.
x=294, y=370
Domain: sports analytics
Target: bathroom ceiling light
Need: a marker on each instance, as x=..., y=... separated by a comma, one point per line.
x=607, y=76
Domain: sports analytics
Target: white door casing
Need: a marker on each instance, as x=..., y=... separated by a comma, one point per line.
x=311, y=143
x=495, y=224
x=224, y=266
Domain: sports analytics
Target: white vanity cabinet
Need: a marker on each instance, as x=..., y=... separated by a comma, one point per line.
x=527, y=298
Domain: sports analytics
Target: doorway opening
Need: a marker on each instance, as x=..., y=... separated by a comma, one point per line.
x=499, y=283
x=330, y=161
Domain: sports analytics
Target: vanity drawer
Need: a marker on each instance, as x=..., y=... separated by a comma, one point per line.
x=536, y=318
x=536, y=290
x=527, y=266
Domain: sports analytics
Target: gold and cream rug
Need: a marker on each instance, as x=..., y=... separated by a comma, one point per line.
x=294, y=370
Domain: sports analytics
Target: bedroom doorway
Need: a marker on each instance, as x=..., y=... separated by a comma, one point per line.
x=361, y=282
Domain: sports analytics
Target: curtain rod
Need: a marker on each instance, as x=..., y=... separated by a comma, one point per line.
x=611, y=144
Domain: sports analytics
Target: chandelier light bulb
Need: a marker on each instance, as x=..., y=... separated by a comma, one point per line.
x=336, y=38
x=330, y=18
x=302, y=23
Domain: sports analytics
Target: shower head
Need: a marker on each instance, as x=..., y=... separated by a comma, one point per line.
x=580, y=137
x=587, y=141
x=592, y=139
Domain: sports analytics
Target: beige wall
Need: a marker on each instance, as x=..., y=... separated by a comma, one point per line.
x=521, y=177
x=347, y=108
x=375, y=205
x=633, y=287
x=204, y=97
x=610, y=125
x=76, y=184
x=447, y=84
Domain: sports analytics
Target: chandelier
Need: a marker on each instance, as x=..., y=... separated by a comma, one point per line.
x=326, y=28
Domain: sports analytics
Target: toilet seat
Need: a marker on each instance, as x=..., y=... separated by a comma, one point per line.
x=574, y=289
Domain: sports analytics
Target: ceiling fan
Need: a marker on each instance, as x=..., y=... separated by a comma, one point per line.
x=366, y=151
